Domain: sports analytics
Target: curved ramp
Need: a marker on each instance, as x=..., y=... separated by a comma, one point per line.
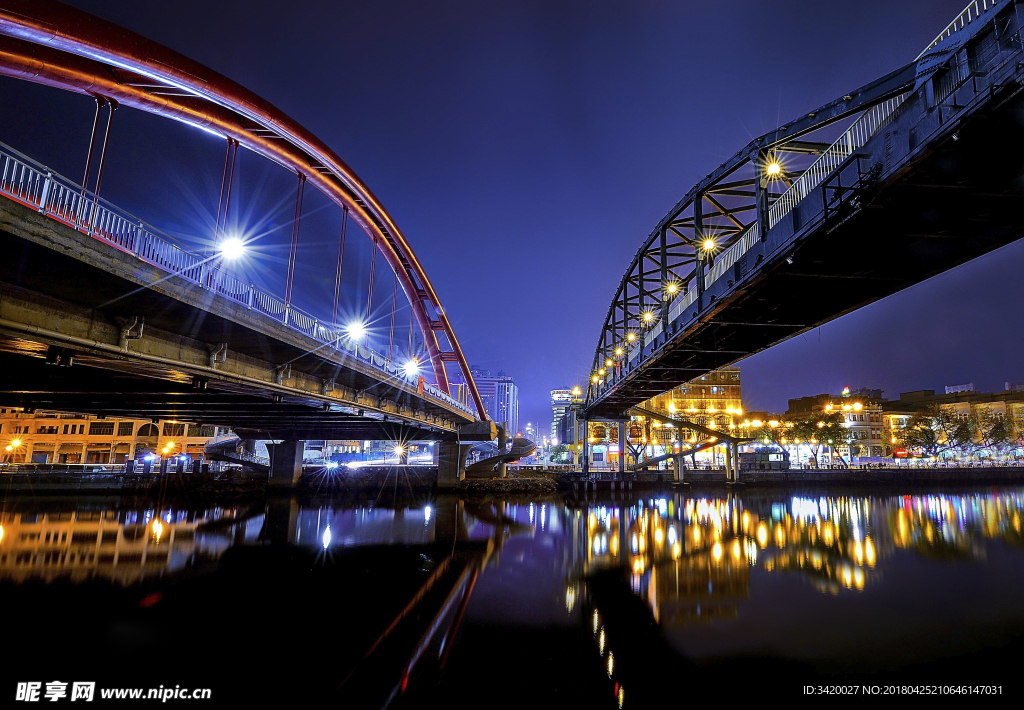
x=489, y=466
x=225, y=448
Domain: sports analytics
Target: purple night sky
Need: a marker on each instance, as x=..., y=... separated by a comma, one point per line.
x=526, y=149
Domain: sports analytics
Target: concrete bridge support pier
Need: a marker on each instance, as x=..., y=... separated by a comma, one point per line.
x=677, y=464
x=285, y=463
x=622, y=450
x=451, y=463
x=502, y=446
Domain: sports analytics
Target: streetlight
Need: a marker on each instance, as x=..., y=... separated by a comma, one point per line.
x=355, y=330
x=608, y=362
x=708, y=245
x=671, y=287
x=412, y=367
x=648, y=316
x=773, y=169
x=232, y=248
x=618, y=351
x=576, y=391
x=631, y=337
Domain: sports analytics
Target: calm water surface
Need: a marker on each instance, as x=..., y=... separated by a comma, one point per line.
x=613, y=601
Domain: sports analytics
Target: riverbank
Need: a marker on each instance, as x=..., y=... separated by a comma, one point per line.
x=422, y=479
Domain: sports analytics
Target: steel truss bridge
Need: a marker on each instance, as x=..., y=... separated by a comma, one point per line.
x=886, y=186
x=157, y=331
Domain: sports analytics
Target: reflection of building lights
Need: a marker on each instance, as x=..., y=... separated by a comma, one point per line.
x=869, y=552
x=736, y=549
x=326, y=539
x=611, y=664
x=570, y=598
x=596, y=620
x=659, y=536
x=158, y=529
x=427, y=510
x=600, y=641
x=677, y=550
x=716, y=551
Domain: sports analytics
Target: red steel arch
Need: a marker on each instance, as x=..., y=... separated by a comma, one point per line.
x=48, y=42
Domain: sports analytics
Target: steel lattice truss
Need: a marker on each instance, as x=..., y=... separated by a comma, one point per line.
x=729, y=204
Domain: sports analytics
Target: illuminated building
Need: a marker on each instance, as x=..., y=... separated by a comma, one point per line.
x=862, y=414
x=56, y=437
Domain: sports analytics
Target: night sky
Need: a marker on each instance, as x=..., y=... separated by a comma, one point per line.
x=526, y=149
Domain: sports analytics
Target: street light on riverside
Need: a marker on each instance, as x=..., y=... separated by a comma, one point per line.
x=708, y=245
x=773, y=169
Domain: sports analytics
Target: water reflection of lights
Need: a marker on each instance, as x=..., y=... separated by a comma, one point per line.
x=688, y=556
x=570, y=598
x=326, y=539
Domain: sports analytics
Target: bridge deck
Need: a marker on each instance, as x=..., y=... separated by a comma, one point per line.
x=61, y=290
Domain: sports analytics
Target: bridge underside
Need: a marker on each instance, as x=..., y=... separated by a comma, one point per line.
x=960, y=199
x=69, y=298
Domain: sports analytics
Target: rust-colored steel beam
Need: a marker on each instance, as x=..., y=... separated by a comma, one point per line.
x=48, y=42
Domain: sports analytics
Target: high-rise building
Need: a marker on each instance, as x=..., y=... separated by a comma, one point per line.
x=500, y=396
x=561, y=399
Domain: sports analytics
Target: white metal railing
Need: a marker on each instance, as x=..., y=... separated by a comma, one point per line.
x=858, y=134
x=682, y=302
x=26, y=181
x=731, y=255
x=972, y=12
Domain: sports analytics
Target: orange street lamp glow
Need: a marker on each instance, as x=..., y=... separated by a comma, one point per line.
x=631, y=337
x=618, y=351
x=773, y=169
x=608, y=362
x=709, y=245
x=672, y=287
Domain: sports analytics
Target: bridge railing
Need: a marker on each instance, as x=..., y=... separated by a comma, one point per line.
x=24, y=180
x=972, y=12
x=855, y=137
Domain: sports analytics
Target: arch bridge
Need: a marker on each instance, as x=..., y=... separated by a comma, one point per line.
x=888, y=185
x=155, y=330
